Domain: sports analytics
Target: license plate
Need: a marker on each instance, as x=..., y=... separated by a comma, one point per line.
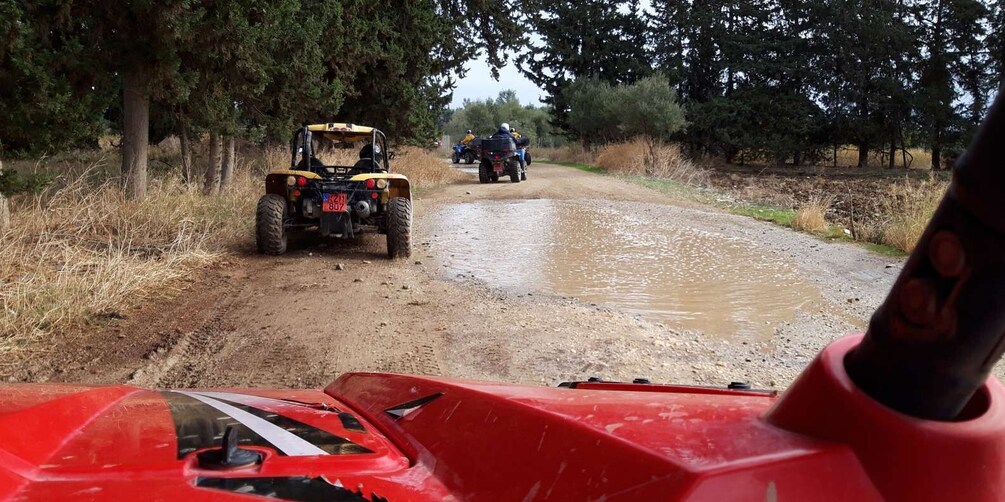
x=497, y=167
x=334, y=203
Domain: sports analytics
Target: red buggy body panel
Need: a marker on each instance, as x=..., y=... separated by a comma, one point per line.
x=392, y=437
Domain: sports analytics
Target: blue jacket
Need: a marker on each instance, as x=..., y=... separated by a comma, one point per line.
x=503, y=133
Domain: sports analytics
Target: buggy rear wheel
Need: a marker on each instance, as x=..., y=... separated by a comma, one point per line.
x=270, y=233
x=456, y=158
x=469, y=158
x=399, y=228
x=514, y=175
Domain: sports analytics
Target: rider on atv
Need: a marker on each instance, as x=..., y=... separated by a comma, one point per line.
x=504, y=132
x=467, y=139
x=521, y=143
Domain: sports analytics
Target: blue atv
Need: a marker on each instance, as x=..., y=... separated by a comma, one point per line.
x=465, y=152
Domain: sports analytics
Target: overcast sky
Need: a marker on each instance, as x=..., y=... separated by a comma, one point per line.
x=479, y=84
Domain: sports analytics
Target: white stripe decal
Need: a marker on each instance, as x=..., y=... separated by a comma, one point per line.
x=245, y=399
x=283, y=440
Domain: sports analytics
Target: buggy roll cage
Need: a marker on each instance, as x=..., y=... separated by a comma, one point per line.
x=301, y=144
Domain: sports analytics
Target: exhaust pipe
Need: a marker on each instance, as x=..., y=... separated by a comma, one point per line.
x=362, y=209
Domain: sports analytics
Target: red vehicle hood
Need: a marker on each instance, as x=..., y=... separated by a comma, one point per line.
x=391, y=437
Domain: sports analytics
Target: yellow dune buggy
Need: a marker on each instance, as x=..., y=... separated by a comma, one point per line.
x=339, y=201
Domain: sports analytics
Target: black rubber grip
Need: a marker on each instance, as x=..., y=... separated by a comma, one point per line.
x=932, y=343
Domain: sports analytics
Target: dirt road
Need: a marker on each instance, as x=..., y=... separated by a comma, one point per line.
x=566, y=276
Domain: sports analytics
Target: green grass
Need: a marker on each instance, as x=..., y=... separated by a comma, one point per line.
x=581, y=167
x=761, y=212
x=884, y=250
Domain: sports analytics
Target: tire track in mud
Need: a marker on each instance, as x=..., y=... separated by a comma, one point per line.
x=186, y=359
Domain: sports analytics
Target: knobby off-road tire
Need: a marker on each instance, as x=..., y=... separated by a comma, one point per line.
x=469, y=158
x=270, y=234
x=526, y=156
x=514, y=175
x=399, y=228
x=483, y=173
x=456, y=158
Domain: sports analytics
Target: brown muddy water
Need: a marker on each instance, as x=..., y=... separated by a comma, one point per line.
x=629, y=256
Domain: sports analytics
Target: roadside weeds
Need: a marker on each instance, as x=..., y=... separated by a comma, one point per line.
x=907, y=206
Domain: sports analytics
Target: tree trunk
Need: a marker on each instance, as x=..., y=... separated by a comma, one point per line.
x=135, y=133
x=227, y=172
x=903, y=147
x=186, y=152
x=836, y=155
x=892, y=162
x=797, y=159
x=936, y=157
x=863, y=155
x=212, y=181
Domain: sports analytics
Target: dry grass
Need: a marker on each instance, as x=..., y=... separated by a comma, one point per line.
x=573, y=154
x=79, y=250
x=666, y=161
x=633, y=158
x=908, y=207
x=918, y=158
x=812, y=216
x=423, y=168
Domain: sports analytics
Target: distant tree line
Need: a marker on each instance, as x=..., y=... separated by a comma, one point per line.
x=73, y=71
x=483, y=117
x=785, y=80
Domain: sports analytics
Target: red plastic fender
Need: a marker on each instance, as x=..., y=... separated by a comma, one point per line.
x=906, y=458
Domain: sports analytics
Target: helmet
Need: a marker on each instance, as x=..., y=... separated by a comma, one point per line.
x=469, y=131
x=504, y=127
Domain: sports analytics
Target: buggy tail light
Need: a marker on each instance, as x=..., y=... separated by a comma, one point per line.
x=374, y=195
x=291, y=181
x=294, y=194
x=381, y=184
x=301, y=181
x=371, y=183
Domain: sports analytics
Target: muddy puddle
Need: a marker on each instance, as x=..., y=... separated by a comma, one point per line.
x=634, y=257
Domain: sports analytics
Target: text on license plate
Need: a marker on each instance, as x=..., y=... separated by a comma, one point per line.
x=334, y=203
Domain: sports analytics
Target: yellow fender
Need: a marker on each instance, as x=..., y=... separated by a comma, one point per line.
x=397, y=184
x=275, y=181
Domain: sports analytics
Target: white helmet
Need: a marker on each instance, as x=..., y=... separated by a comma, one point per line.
x=504, y=127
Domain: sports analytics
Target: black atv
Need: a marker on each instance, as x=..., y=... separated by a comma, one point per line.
x=500, y=157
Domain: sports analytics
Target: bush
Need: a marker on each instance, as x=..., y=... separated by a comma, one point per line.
x=812, y=216
x=909, y=206
x=662, y=161
x=13, y=182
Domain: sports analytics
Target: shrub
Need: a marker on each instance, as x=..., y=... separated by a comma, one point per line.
x=14, y=182
x=908, y=208
x=812, y=216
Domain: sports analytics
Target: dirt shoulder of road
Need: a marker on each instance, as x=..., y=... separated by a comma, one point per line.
x=301, y=319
